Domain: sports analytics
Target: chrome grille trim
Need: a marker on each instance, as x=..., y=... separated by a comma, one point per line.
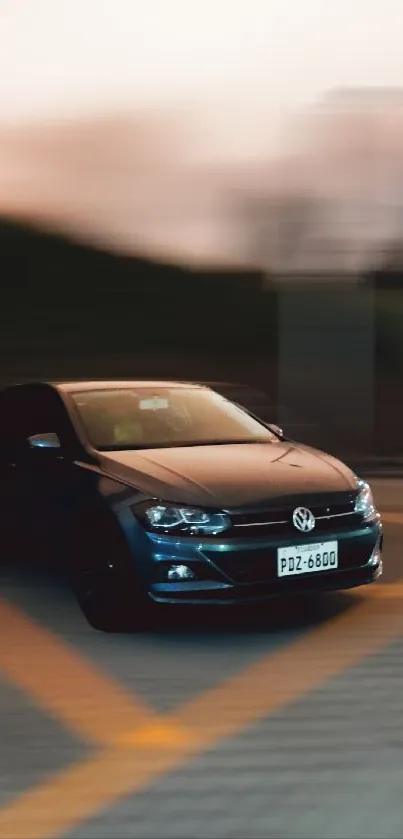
x=261, y=523
x=336, y=515
x=288, y=521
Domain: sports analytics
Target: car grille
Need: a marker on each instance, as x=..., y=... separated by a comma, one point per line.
x=258, y=566
x=335, y=513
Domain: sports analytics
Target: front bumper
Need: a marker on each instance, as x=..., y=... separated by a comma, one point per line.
x=245, y=571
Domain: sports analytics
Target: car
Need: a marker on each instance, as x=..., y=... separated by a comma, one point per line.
x=156, y=492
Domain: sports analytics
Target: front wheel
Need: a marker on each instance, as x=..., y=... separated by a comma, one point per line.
x=108, y=594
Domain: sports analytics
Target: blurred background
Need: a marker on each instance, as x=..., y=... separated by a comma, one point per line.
x=210, y=191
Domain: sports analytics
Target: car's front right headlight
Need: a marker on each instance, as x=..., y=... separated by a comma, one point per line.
x=365, y=504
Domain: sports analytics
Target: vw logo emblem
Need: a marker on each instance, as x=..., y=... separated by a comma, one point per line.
x=303, y=519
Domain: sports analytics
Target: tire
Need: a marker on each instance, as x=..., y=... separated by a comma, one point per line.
x=103, y=580
x=107, y=606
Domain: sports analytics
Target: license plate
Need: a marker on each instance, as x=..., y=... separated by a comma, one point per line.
x=306, y=559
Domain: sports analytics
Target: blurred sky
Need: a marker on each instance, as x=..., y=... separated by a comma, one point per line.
x=58, y=55
x=232, y=71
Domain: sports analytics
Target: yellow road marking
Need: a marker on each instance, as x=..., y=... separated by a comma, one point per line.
x=65, y=684
x=150, y=750
x=392, y=518
x=78, y=793
x=281, y=677
x=381, y=590
x=161, y=733
x=390, y=591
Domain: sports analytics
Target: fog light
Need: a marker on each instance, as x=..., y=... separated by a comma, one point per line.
x=180, y=572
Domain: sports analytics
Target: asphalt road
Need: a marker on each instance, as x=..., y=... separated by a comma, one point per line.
x=282, y=725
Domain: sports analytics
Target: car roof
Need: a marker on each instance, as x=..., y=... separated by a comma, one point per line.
x=101, y=384
x=71, y=386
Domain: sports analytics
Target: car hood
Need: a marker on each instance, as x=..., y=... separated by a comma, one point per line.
x=229, y=476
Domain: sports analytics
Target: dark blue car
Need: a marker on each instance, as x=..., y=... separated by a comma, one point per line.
x=166, y=492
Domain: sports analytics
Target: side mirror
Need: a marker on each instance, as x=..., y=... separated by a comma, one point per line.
x=277, y=430
x=44, y=441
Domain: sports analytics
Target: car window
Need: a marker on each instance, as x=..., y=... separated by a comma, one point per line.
x=144, y=418
x=28, y=410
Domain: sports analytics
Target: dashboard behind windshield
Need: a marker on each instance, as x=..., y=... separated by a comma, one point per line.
x=136, y=418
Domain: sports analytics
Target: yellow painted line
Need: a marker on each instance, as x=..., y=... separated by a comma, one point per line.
x=380, y=590
x=147, y=752
x=64, y=683
x=162, y=734
x=268, y=685
x=392, y=518
x=48, y=811
x=390, y=591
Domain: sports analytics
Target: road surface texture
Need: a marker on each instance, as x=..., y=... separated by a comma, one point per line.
x=280, y=725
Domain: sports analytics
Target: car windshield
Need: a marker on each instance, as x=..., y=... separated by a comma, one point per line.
x=146, y=417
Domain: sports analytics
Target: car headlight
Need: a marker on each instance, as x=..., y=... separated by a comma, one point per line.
x=175, y=518
x=365, y=504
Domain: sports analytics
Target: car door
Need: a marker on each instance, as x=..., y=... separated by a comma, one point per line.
x=8, y=509
x=13, y=506
x=36, y=485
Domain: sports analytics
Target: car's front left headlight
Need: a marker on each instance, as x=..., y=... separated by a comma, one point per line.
x=181, y=519
x=365, y=504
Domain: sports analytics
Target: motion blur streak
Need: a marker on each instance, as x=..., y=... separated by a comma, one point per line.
x=263, y=688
